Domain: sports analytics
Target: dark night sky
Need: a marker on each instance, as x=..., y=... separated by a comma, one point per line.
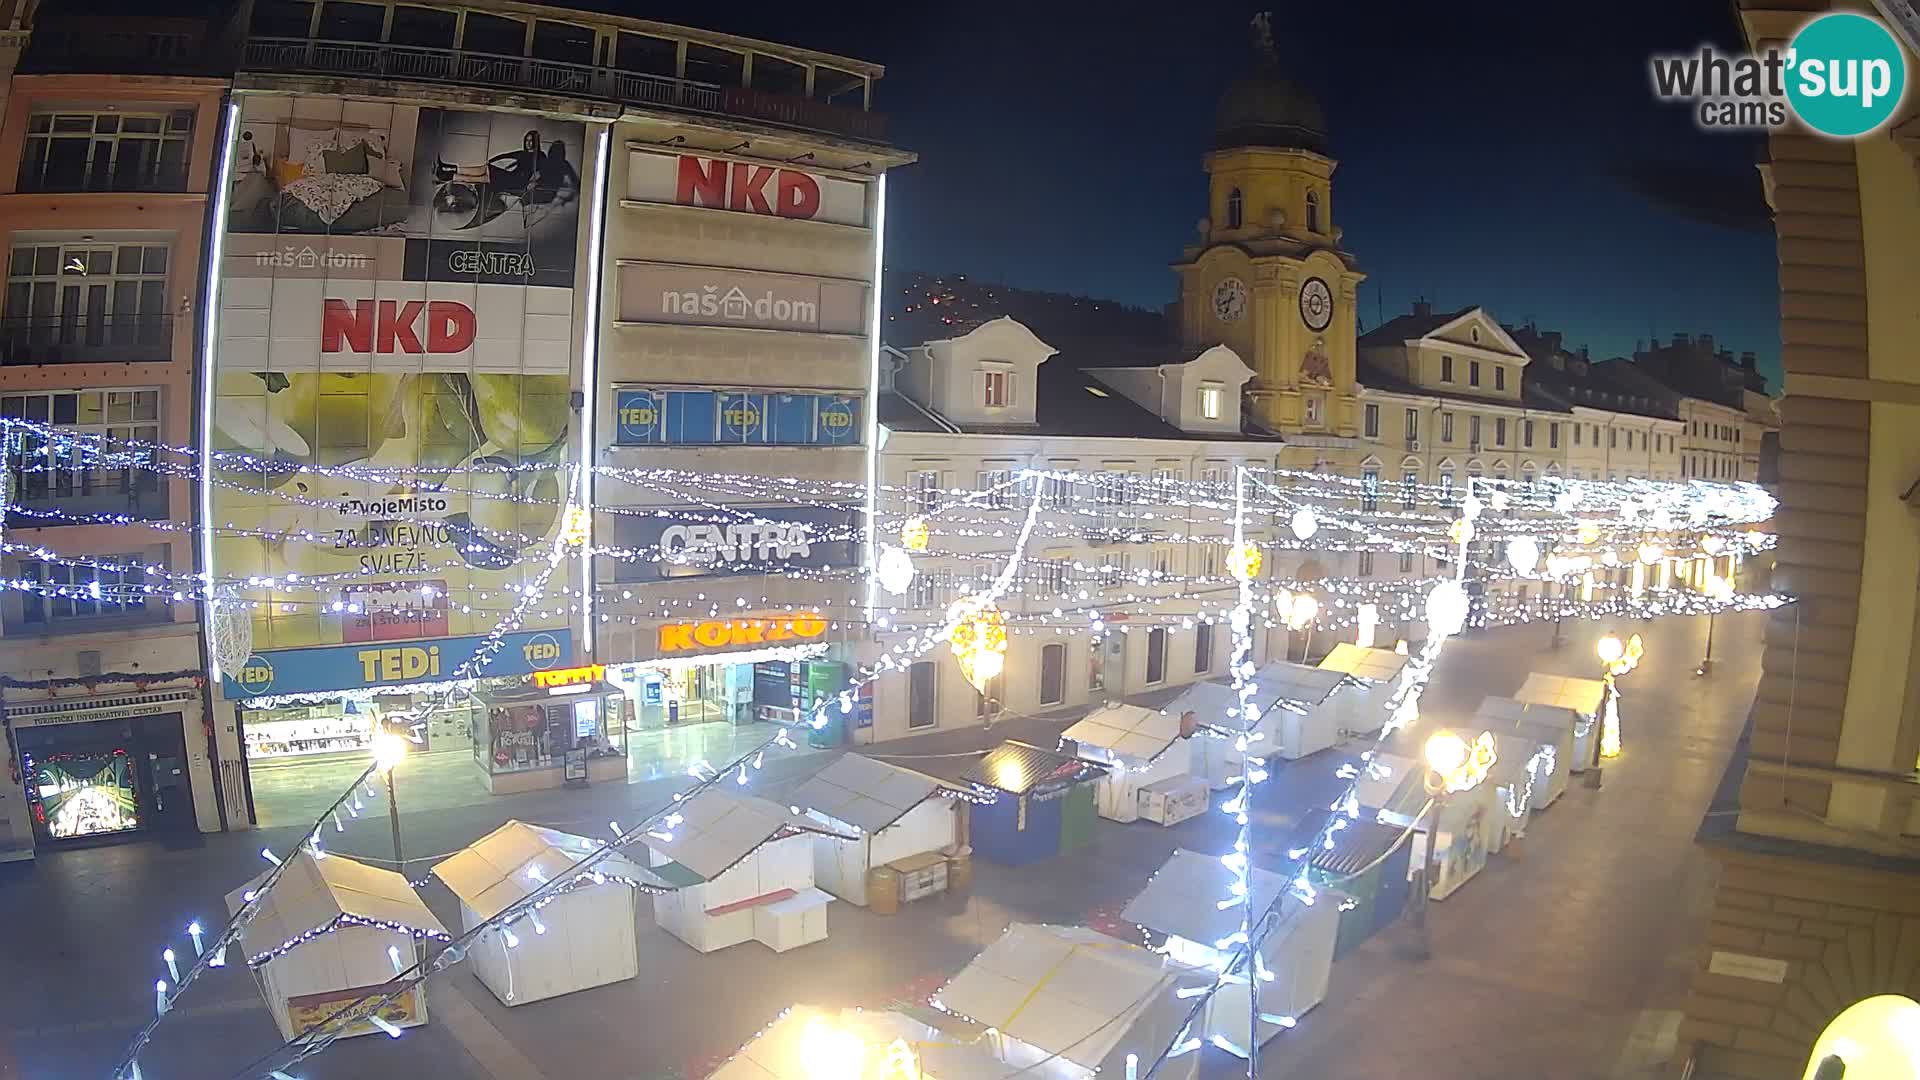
x=1496, y=152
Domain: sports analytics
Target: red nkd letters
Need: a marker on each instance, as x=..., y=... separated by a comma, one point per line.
x=388, y=326
x=736, y=185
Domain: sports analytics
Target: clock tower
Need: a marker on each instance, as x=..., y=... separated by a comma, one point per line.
x=1268, y=277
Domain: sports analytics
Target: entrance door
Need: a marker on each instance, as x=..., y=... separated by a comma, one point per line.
x=163, y=759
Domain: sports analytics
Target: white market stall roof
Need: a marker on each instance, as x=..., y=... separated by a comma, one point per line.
x=781, y=1051
x=1284, y=680
x=503, y=867
x=865, y=793
x=1506, y=715
x=1074, y=993
x=1182, y=898
x=1208, y=702
x=1132, y=731
x=1399, y=785
x=314, y=893
x=718, y=828
x=1379, y=665
x=1581, y=695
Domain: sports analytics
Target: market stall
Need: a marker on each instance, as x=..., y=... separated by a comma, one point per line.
x=1182, y=901
x=330, y=935
x=740, y=869
x=1582, y=697
x=1392, y=789
x=1298, y=715
x=1367, y=864
x=1042, y=803
x=808, y=1043
x=896, y=813
x=583, y=937
x=1210, y=708
x=1511, y=779
x=1068, y=1002
x=1362, y=710
x=1150, y=762
x=1547, y=734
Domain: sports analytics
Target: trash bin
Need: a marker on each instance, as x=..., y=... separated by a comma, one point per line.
x=960, y=869
x=883, y=890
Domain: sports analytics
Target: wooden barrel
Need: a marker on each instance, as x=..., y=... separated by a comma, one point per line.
x=883, y=890
x=960, y=869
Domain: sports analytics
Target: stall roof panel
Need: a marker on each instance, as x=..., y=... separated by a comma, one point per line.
x=1379, y=665
x=1132, y=731
x=1529, y=718
x=1581, y=695
x=1067, y=991
x=1284, y=680
x=1398, y=776
x=718, y=828
x=1357, y=845
x=313, y=892
x=776, y=1053
x=1017, y=768
x=1207, y=701
x=1179, y=898
x=501, y=868
x=865, y=793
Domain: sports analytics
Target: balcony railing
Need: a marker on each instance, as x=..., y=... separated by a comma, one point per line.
x=385, y=61
x=42, y=500
x=78, y=339
x=166, y=178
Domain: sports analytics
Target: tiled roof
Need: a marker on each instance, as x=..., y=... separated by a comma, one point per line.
x=1402, y=328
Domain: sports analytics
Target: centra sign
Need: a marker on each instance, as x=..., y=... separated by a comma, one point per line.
x=735, y=633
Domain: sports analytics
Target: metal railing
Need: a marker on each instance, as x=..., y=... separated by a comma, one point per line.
x=387, y=61
x=82, y=339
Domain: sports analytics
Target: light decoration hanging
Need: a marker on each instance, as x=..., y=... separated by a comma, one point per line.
x=915, y=533
x=1616, y=658
x=1459, y=765
x=894, y=570
x=1244, y=560
x=978, y=639
x=1303, y=524
x=1523, y=554
x=1650, y=553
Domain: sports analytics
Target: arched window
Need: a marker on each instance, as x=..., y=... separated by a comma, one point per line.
x=1313, y=211
x=1236, y=209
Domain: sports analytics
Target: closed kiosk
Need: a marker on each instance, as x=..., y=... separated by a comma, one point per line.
x=1210, y=710
x=1042, y=803
x=1549, y=728
x=1182, y=901
x=583, y=937
x=1581, y=697
x=1512, y=781
x=1139, y=746
x=1376, y=675
x=895, y=1045
x=364, y=923
x=1067, y=1003
x=1297, y=716
x=1368, y=863
x=741, y=870
x=895, y=813
x=1392, y=789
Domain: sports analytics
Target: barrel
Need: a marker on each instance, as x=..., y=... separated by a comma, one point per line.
x=883, y=890
x=960, y=869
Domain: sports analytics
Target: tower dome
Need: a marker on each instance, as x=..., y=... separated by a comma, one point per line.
x=1265, y=108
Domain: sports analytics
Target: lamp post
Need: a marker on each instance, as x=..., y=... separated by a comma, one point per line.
x=1446, y=754
x=389, y=749
x=1720, y=589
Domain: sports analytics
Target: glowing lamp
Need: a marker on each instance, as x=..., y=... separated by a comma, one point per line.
x=894, y=570
x=1756, y=539
x=576, y=526
x=914, y=534
x=1718, y=588
x=1523, y=554
x=1461, y=531
x=830, y=1053
x=1876, y=1038
x=389, y=749
x=1302, y=610
x=1650, y=553
x=1712, y=544
x=1447, y=609
x=1589, y=532
x=1244, y=561
x=1611, y=649
x=1445, y=752
x=1303, y=524
x=978, y=639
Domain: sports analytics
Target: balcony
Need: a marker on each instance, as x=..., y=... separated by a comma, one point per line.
x=74, y=339
x=141, y=180
x=41, y=500
x=373, y=60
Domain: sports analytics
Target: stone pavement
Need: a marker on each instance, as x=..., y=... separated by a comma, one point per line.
x=1568, y=958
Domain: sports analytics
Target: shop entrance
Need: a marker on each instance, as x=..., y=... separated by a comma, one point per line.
x=107, y=779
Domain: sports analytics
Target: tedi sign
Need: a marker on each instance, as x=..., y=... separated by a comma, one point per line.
x=393, y=326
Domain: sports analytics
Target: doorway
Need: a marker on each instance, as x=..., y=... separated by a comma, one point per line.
x=107, y=780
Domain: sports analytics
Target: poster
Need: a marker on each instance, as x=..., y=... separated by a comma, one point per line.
x=397, y=333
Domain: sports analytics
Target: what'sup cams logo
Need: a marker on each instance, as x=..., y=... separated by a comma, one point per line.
x=1843, y=76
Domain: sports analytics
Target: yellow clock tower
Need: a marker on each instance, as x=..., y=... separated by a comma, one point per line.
x=1268, y=277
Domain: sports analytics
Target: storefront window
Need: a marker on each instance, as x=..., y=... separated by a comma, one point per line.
x=525, y=733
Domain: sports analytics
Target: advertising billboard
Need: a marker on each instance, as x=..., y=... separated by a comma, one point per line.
x=744, y=187
x=765, y=540
x=753, y=299
x=397, y=333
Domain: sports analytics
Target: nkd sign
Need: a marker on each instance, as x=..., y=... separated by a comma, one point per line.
x=768, y=539
x=745, y=187
x=712, y=296
x=395, y=326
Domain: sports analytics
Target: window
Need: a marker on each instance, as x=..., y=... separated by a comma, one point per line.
x=1446, y=427
x=994, y=486
x=1577, y=429
x=707, y=64
x=1366, y=563
x=1370, y=490
x=1203, y=648
x=1500, y=431
x=1526, y=474
x=1156, y=655
x=565, y=43
x=996, y=389
x=1372, y=420
x=1596, y=434
x=87, y=301
x=500, y=36
x=1446, y=369
x=1214, y=475
x=1209, y=555
x=427, y=28
x=1210, y=401
x=1473, y=373
x=1056, y=492
x=922, y=679
x=989, y=700
x=1236, y=209
x=1406, y=562
x=644, y=416
x=1613, y=438
x=923, y=489
x=1473, y=431
x=1054, y=576
x=1413, y=425
x=1526, y=432
x=1314, y=410
x=1499, y=376
x=1553, y=437
x=1162, y=560
x=1409, y=489
x=1053, y=674
x=1313, y=211
x=1473, y=333
x=1446, y=485
x=1166, y=484
x=103, y=587
x=106, y=151
x=85, y=477
x=929, y=591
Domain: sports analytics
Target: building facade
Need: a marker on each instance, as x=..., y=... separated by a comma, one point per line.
x=1818, y=898
x=105, y=169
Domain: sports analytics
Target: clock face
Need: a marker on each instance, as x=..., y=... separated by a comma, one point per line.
x=1230, y=299
x=1316, y=304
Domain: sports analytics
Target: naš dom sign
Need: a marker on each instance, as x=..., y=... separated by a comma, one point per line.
x=683, y=637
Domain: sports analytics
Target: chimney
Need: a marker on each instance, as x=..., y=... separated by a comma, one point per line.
x=1748, y=360
x=1680, y=341
x=1422, y=308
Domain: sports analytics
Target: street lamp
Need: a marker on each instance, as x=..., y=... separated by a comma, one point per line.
x=389, y=750
x=1876, y=1038
x=1720, y=590
x=1616, y=658
x=1445, y=754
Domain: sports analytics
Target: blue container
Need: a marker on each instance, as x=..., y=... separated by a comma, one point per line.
x=1015, y=830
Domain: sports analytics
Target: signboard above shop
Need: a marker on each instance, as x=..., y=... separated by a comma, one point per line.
x=751, y=299
x=762, y=539
x=747, y=187
x=721, y=417
x=365, y=667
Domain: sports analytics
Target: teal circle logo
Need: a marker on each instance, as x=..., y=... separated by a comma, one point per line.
x=1845, y=74
x=256, y=675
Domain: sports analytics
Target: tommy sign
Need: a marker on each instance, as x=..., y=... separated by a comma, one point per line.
x=775, y=538
x=714, y=296
x=744, y=187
